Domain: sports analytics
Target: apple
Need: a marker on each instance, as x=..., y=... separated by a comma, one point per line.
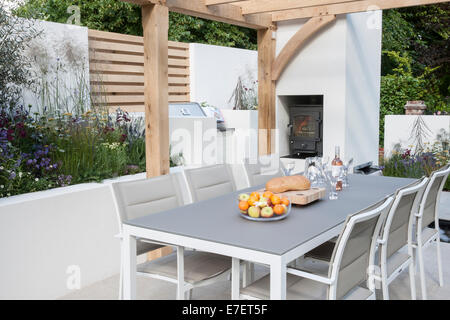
x=254, y=212
x=267, y=212
x=244, y=197
x=262, y=203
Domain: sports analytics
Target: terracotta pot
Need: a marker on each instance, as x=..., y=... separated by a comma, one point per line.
x=415, y=107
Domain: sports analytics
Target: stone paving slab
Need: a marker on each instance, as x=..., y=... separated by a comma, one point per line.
x=444, y=209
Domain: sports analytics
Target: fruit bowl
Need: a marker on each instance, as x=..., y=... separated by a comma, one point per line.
x=263, y=206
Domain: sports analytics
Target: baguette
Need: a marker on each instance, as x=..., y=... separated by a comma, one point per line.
x=289, y=183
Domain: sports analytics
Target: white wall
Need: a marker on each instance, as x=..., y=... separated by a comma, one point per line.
x=318, y=69
x=60, y=58
x=243, y=142
x=397, y=130
x=215, y=71
x=331, y=64
x=363, y=72
x=196, y=138
x=42, y=234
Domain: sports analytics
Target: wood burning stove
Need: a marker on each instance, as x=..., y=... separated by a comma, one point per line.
x=306, y=132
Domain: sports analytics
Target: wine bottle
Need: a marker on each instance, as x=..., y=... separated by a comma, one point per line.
x=337, y=167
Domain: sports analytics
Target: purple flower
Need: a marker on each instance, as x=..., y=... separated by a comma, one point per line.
x=12, y=175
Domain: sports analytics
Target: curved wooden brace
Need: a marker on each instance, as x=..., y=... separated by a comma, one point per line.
x=311, y=27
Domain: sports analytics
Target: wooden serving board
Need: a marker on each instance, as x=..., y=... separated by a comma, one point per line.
x=303, y=197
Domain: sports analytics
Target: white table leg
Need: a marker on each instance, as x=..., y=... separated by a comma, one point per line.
x=278, y=281
x=235, y=278
x=180, y=273
x=129, y=267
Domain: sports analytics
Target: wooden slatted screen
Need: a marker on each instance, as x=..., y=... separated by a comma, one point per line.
x=117, y=71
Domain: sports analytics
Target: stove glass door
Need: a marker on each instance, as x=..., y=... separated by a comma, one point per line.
x=305, y=126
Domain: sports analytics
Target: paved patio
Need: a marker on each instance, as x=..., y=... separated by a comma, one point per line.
x=156, y=289
x=444, y=213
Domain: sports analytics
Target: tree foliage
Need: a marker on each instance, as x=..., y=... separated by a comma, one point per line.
x=15, y=36
x=121, y=17
x=415, y=59
x=421, y=33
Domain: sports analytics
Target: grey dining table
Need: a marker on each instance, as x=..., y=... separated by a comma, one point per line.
x=215, y=226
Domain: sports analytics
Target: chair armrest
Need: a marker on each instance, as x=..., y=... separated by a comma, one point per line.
x=310, y=276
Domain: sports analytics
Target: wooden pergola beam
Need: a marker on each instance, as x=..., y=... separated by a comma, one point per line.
x=227, y=13
x=309, y=29
x=216, y=2
x=260, y=6
x=348, y=7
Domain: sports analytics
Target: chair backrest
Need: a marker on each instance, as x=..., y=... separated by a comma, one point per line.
x=430, y=200
x=210, y=182
x=258, y=174
x=397, y=230
x=134, y=199
x=354, y=252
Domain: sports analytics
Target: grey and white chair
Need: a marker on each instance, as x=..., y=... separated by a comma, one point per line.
x=258, y=174
x=397, y=234
x=428, y=213
x=139, y=198
x=210, y=182
x=349, y=271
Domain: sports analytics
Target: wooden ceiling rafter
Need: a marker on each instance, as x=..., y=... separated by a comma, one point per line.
x=256, y=14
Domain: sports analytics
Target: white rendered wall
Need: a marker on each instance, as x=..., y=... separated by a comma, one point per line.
x=42, y=234
x=318, y=69
x=363, y=72
x=215, y=71
x=397, y=130
x=327, y=65
x=196, y=138
x=60, y=63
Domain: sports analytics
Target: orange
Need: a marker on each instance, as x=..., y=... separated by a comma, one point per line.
x=243, y=205
x=275, y=200
x=255, y=195
x=278, y=209
x=268, y=194
x=252, y=200
x=285, y=201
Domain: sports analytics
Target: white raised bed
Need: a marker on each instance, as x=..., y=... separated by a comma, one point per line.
x=45, y=237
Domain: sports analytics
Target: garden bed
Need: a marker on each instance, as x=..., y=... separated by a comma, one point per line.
x=46, y=151
x=403, y=163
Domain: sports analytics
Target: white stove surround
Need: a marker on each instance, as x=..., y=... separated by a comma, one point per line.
x=342, y=63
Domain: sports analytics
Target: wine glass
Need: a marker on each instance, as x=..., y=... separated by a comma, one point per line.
x=323, y=162
x=332, y=181
x=313, y=171
x=289, y=167
x=345, y=168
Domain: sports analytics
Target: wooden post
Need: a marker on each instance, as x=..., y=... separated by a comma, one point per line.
x=266, y=92
x=155, y=23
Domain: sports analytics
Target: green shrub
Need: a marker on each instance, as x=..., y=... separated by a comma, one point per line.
x=403, y=85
